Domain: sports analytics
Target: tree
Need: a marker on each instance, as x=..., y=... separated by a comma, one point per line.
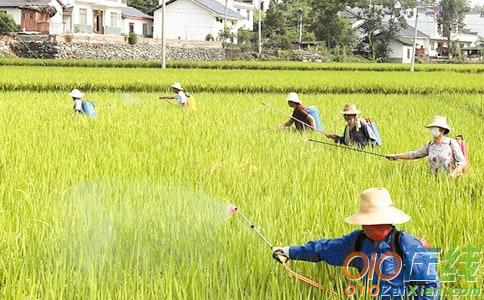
x=383, y=21
x=451, y=18
x=145, y=6
x=7, y=24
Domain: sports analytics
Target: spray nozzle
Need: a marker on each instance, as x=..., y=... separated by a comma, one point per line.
x=231, y=209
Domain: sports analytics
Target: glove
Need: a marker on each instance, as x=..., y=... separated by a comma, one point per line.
x=391, y=157
x=280, y=254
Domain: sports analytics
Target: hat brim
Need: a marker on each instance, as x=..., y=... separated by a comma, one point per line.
x=177, y=87
x=437, y=125
x=352, y=112
x=294, y=101
x=76, y=95
x=388, y=216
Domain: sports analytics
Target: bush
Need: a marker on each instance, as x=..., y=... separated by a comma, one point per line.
x=209, y=37
x=7, y=23
x=132, y=38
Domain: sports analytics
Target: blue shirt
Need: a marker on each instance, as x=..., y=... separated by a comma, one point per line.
x=418, y=263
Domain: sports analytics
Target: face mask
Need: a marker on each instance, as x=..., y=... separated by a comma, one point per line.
x=377, y=232
x=434, y=131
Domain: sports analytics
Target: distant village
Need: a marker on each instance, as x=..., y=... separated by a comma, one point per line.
x=203, y=20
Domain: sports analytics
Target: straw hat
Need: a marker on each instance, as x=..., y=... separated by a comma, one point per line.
x=76, y=94
x=350, y=109
x=376, y=207
x=439, y=121
x=293, y=97
x=177, y=86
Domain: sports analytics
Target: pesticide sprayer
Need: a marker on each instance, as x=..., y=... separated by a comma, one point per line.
x=233, y=210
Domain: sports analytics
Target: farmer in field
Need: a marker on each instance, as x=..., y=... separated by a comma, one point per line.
x=81, y=105
x=181, y=97
x=357, y=131
x=403, y=262
x=301, y=118
x=444, y=154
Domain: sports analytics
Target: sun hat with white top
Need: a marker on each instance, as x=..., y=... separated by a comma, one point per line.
x=293, y=97
x=439, y=121
x=376, y=208
x=350, y=109
x=177, y=86
x=76, y=94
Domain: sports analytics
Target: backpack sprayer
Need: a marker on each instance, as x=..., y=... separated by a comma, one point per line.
x=317, y=141
x=232, y=210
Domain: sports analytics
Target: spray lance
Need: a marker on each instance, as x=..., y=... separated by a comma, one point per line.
x=232, y=210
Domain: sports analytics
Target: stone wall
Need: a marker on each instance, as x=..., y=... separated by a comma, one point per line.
x=46, y=47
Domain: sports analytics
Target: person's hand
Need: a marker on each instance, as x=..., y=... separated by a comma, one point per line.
x=331, y=135
x=454, y=174
x=392, y=157
x=280, y=254
x=283, y=126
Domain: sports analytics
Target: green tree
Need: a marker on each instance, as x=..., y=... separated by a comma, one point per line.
x=145, y=6
x=7, y=23
x=451, y=18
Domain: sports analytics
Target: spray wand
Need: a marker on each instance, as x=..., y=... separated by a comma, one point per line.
x=232, y=210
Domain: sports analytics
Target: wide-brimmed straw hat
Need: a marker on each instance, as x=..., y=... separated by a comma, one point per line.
x=177, y=86
x=350, y=109
x=76, y=94
x=293, y=97
x=376, y=208
x=439, y=121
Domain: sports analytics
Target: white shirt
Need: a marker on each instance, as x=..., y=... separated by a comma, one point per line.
x=78, y=105
x=181, y=98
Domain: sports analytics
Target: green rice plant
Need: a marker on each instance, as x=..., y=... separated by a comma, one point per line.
x=13, y=78
x=130, y=204
x=247, y=65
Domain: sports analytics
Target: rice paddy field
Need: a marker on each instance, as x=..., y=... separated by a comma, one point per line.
x=131, y=204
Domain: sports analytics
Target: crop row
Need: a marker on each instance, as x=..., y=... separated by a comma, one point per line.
x=13, y=78
x=247, y=65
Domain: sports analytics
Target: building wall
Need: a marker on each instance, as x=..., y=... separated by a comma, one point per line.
x=475, y=22
x=400, y=53
x=138, y=26
x=186, y=20
x=248, y=13
x=56, y=25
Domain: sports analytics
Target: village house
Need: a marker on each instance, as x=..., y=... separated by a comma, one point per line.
x=137, y=22
x=34, y=16
x=197, y=19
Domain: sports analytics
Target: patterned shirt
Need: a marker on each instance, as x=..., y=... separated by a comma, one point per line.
x=181, y=98
x=442, y=157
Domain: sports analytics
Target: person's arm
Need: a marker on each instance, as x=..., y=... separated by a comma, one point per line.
x=332, y=251
x=336, y=138
x=423, y=152
x=78, y=106
x=459, y=157
x=167, y=97
x=288, y=123
x=419, y=266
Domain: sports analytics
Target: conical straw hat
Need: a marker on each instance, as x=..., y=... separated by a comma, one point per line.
x=376, y=207
x=177, y=86
x=293, y=97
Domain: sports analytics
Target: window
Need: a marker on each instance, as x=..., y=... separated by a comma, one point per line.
x=248, y=14
x=432, y=46
x=114, y=19
x=82, y=16
x=131, y=27
x=145, y=29
x=408, y=53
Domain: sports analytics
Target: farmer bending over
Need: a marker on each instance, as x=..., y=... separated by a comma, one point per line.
x=357, y=131
x=301, y=119
x=377, y=238
x=77, y=96
x=179, y=95
x=444, y=154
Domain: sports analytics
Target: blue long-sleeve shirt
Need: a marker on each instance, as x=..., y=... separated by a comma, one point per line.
x=418, y=278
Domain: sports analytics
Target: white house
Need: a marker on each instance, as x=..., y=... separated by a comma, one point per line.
x=401, y=47
x=195, y=19
x=94, y=16
x=475, y=22
x=245, y=8
x=136, y=21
